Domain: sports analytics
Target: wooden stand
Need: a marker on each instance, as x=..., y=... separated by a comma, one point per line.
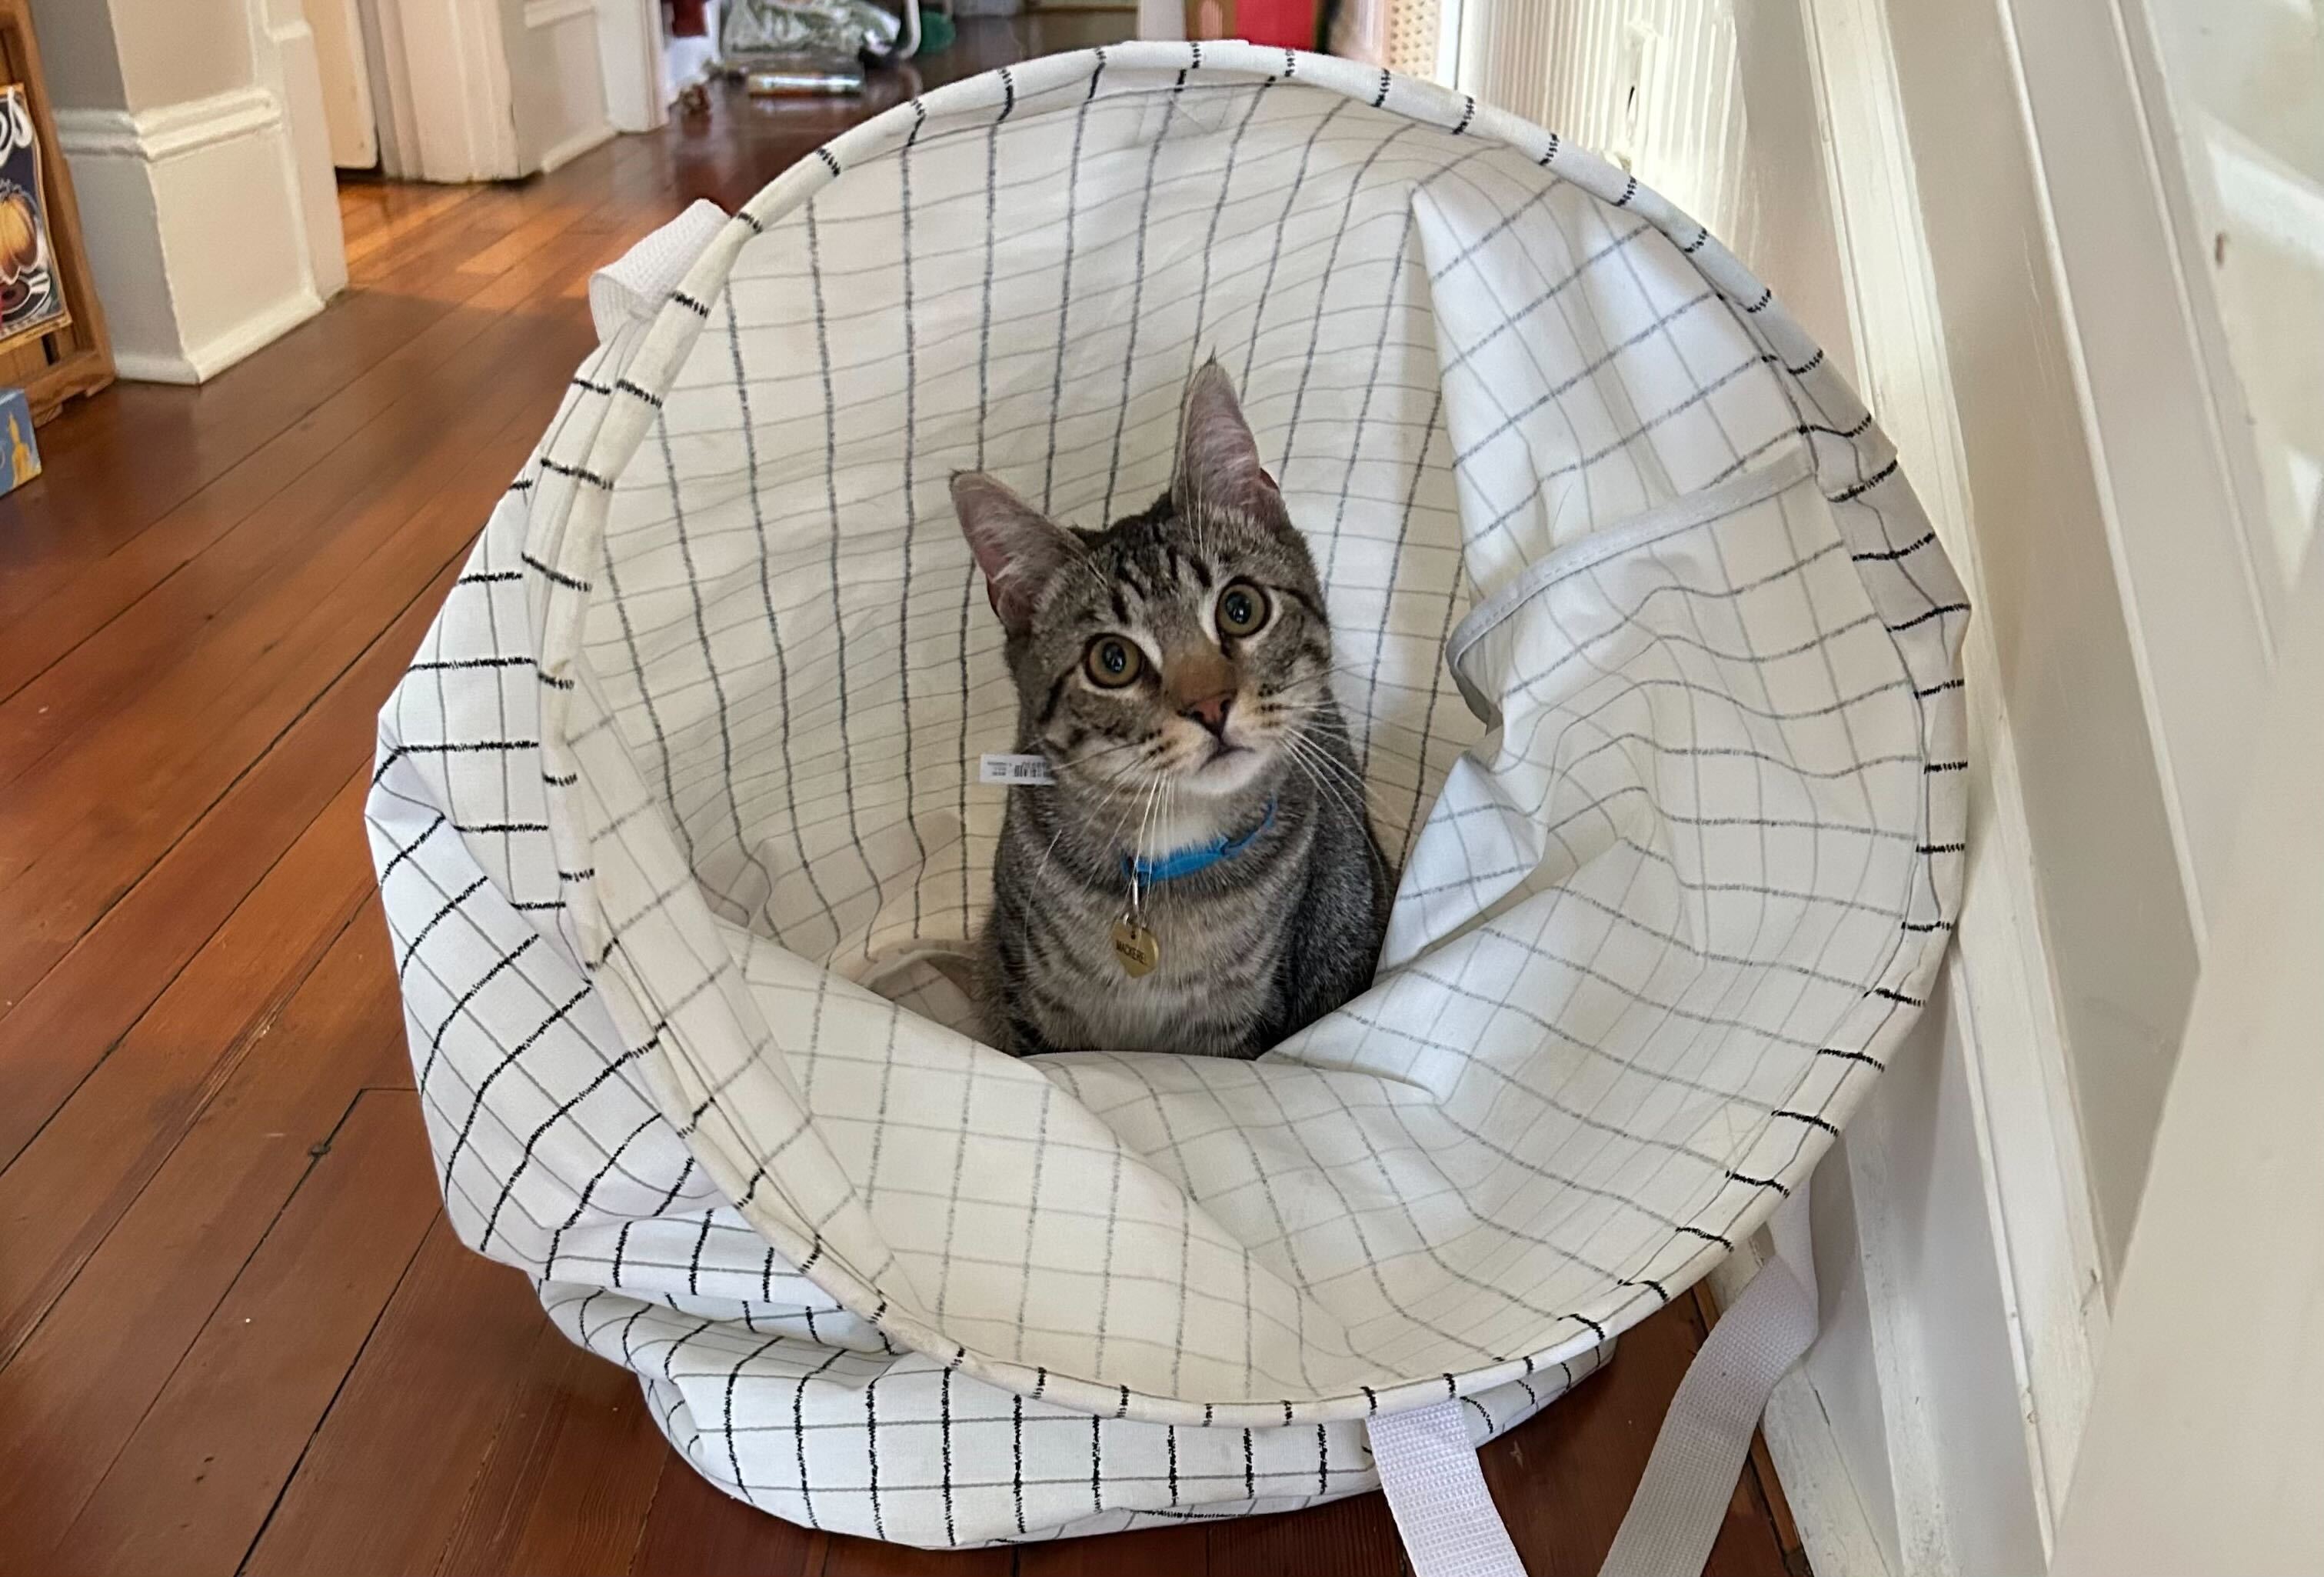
x=77, y=358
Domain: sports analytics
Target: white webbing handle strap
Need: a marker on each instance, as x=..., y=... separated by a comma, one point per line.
x=1675, y=1517
x=636, y=284
x=1437, y=1491
x=1428, y=1471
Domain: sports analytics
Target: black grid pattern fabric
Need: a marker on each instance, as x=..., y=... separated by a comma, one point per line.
x=1653, y=662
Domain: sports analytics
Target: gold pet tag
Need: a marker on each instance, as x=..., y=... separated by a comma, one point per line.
x=1134, y=948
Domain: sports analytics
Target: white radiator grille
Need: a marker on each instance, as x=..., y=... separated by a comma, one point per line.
x=1650, y=84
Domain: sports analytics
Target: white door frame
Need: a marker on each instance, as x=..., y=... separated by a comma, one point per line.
x=446, y=102
x=2035, y=1177
x=2205, y=1443
x=2179, y=477
x=629, y=47
x=340, y=55
x=448, y=112
x=284, y=53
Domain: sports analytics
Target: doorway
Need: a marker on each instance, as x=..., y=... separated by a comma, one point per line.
x=453, y=90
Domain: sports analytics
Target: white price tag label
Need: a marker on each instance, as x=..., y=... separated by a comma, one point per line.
x=1019, y=770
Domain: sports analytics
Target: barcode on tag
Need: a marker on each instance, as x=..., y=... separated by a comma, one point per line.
x=1015, y=769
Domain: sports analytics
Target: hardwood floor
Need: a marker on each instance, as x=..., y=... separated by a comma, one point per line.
x=235, y=1334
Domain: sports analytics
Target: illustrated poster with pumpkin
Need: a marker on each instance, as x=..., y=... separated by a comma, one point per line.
x=31, y=299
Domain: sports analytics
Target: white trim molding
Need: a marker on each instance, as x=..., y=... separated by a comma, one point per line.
x=199, y=362
x=578, y=143
x=196, y=229
x=2000, y=992
x=155, y=135
x=2177, y=475
x=284, y=49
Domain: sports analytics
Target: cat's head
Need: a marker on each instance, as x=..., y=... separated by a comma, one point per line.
x=1186, y=645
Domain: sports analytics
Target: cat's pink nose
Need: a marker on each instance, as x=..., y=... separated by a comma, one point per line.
x=1210, y=711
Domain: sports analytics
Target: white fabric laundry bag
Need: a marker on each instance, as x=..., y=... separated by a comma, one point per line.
x=1652, y=663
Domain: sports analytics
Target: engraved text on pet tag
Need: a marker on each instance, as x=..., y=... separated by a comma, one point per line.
x=1134, y=948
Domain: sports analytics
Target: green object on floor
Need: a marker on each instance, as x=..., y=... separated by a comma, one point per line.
x=937, y=32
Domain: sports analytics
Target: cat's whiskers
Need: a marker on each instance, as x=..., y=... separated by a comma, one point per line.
x=1328, y=775
x=1131, y=803
x=1145, y=816
x=1304, y=755
x=1117, y=783
x=1351, y=775
x=1087, y=756
x=1049, y=854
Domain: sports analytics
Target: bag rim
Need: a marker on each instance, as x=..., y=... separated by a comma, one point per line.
x=566, y=525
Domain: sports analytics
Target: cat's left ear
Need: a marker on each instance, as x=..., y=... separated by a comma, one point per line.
x=1218, y=457
x=1018, y=547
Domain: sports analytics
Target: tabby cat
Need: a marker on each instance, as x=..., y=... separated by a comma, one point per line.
x=1200, y=877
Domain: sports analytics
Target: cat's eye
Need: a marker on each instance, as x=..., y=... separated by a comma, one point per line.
x=1243, y=609
x=1113, y=661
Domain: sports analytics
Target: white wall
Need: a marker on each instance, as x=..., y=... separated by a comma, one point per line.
x=77, y=50
x=178, y=51
x=209, y=222
x=288, y=57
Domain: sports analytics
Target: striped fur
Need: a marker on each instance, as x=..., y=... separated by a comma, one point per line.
x=1209, y=728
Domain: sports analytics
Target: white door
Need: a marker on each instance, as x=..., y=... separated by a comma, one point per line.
x=496, y=89
x=347, y=82
x=2206, y=1440
x=557, y=80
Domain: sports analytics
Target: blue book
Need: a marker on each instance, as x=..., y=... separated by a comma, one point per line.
x=20, y=452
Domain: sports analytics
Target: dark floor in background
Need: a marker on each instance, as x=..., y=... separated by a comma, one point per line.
x=234, y=1331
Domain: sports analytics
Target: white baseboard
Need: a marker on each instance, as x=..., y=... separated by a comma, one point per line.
x=206, y=360
x=195, y=229
x=578, y=143
x=1834, y=1526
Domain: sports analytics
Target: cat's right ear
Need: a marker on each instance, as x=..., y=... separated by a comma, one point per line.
x=1017, y=546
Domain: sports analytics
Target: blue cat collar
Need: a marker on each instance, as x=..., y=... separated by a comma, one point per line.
x=1185, y=862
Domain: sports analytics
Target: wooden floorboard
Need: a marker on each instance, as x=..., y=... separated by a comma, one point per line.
x=69, y=1187
x=236, y=1333
x=694, y=1528
x=124, y=1283
x=572, y=1473
x=386, y=1483
x=52, y=1038
x=226, y=663
x=195, y=1482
